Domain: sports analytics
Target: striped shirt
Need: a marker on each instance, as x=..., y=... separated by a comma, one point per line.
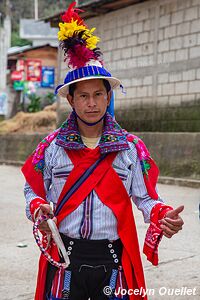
x=92, y=219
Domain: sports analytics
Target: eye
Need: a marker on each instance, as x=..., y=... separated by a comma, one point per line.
x=99, y=94
x=83, y=96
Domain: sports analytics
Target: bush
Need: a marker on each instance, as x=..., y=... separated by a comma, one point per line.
x=35, y=104
x=48, y=99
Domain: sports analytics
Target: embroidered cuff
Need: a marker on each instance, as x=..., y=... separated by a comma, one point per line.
x=35, y=206
x=154, y=233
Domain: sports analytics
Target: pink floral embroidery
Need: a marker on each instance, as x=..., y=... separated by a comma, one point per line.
x=143, y=153
x=38, y=155
x=39, y=152
x=51, y=136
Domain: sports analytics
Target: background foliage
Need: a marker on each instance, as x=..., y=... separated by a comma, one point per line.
x=25, y=9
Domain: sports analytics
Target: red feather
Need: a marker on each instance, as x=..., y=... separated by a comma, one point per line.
x=71, y=13
x=79, y=56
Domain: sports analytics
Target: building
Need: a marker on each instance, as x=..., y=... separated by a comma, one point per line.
x=36, y=67
x=154, y=48
x=39, y=32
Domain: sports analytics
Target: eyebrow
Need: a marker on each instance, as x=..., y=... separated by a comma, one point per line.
x=83, y=92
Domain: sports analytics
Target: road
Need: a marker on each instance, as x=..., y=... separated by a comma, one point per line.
x=177, y=275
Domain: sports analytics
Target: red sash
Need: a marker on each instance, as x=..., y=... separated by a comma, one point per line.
x=113, y=194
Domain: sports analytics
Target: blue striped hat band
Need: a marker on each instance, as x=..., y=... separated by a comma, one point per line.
x=86, y=71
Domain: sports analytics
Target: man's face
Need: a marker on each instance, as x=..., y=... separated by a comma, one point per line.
x=90, y=100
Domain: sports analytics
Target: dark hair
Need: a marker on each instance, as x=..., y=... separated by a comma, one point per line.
x=72, y=87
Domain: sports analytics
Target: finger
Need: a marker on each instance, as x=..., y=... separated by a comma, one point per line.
x=168, y=230
x=167, y=235
x=44, y=227
x=175, y=227
x=45, y=208
x=175, y=222
x=47, y=231
x=173, y=213
x=179, y=209
x=55, y=219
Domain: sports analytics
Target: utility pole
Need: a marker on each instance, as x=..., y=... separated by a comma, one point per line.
x=36, y=10
x=5, y=41
x=7, y=24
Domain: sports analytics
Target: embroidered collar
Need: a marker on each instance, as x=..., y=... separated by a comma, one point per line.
x=113, y=137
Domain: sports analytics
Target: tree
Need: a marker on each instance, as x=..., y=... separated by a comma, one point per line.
x=25, y=9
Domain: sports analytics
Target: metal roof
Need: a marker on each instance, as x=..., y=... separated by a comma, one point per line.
x=18, y=50
x=93, y=8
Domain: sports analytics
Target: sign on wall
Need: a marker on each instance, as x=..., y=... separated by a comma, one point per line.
x=18, y=85
x=16, y=75
x=20, y=66
x=48, y=75
x=34, y=70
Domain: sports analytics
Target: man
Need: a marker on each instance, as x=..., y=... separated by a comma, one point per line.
x=89, y=169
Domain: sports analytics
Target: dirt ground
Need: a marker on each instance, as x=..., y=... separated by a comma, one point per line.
x=177, y=275
x=23, y=122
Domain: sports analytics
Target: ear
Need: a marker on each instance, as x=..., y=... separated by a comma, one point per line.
x=108, y=98
x=70, y=100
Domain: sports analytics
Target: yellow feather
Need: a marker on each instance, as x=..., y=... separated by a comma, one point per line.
x=67, y=30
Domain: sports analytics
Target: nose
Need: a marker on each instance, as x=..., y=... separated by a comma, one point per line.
x=91, y=102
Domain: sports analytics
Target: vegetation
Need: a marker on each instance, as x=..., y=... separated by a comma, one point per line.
x=48, y=99
x=17, y=41
x=38, y=103
x=35, y=104
x=25, y=9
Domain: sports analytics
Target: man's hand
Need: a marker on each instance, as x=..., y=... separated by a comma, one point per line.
x=172, y=222
x=45, y=209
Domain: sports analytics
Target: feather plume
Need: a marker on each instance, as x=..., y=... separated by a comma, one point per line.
x=77, y=40
x=79, y=56
x=71, y=14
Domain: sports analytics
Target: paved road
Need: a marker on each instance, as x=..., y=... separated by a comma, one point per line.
x=178, y=271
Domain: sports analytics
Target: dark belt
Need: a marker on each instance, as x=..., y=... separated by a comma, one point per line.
x=93, y=252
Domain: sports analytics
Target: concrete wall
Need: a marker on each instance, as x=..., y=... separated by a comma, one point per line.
x=154, y=48
x=177, y=154
x=183, y=118
x=17, y=147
